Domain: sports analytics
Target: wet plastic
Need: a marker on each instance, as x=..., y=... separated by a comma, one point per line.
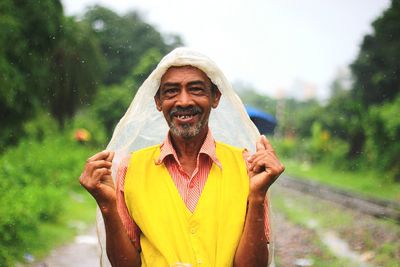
x=142, y=125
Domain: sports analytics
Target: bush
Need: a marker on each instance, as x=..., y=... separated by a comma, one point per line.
x=35, y=177
x=382, y=129
x=110, y=105
x=87, y=119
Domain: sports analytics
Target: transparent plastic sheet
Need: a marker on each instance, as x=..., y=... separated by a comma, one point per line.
x=142, y=125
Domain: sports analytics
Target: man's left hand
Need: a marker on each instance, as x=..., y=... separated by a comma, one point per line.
x=263, y=168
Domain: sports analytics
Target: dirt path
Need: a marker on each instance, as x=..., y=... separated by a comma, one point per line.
x=83, y=252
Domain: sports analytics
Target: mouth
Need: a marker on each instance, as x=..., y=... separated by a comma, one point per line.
x=185, y=116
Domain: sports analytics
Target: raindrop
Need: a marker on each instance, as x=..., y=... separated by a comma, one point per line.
x=29, y=257
x=98, y=25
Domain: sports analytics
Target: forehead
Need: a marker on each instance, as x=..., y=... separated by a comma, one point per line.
x=184, y=74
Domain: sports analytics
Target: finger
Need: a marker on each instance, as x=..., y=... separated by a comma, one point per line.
x=260, y=155
x=274, y=168
x=266, y=143
x=246, y=156
x=93, y=165
x=260, y=144
x=258, y=167
x=110, y=156
x=98, y=173
x=256, y=155
x=99, y=156
x=267, y=159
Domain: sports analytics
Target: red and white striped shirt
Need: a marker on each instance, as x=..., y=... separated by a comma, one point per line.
x=189, y=186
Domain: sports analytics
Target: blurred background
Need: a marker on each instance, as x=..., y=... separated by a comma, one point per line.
x=320, y=79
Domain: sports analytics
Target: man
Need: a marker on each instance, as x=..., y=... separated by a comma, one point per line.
x=191, y=200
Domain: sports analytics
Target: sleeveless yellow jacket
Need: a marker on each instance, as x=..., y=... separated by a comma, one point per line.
x=170, y=232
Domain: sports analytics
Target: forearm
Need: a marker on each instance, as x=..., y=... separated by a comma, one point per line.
x=253, y=245
x=120, y=250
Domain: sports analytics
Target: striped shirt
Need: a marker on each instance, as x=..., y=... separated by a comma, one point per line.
x=189, y=186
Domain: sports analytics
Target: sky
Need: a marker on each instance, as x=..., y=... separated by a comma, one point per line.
x=282, y=48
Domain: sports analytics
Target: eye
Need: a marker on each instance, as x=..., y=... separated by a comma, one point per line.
x=170, y=92
x=196, y=90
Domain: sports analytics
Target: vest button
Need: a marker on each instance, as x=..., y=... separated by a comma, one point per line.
x=193, y=230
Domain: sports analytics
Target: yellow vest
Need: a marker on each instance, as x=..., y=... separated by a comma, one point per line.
x=170, y=232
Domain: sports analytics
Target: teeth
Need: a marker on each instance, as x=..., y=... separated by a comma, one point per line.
x=184, y=116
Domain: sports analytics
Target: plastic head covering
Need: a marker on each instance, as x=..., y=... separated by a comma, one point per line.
x=143, y=125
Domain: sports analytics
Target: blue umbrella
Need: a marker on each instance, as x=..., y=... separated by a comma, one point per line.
x=265, y=122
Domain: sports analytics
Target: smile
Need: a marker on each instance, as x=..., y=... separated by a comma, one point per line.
x=185, y=115
x=185, y=118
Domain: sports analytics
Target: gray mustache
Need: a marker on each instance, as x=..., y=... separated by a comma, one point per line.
x=185, y=111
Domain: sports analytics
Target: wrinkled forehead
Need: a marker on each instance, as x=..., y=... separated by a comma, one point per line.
x=179, y=72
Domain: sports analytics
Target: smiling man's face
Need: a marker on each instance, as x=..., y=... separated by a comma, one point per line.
x=186, y=97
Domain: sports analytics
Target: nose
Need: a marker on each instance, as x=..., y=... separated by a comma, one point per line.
x=184, y=99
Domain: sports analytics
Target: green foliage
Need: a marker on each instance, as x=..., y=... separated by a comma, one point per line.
x=34, y=180
x=343, y=117
x=40, y=127
x=53, y=63
x=124, y=40
x=77, y=68
x=295, y=118
x=110, y=105
x=383, y=132
x=146, y=65
x=368, y=182
x=88, y=120
x=29, y=33
x=376, y=69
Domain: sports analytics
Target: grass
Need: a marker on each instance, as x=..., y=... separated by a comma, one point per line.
x=79, y=214
x=321, y=216
x=300, y=213
x=367, y=183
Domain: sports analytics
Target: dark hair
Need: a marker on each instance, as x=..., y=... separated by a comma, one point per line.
x=214, y=88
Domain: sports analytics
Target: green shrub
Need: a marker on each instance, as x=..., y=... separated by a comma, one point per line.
x=35, y=178
x=88, y=120
x=40, y=127
x=110, y=104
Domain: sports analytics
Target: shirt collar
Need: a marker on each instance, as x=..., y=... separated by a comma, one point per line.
x=208, y=149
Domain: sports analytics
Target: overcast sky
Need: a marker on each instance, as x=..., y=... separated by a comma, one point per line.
x=279, y=47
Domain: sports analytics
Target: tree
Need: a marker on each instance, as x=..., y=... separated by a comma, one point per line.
x=124, y=40
x=30, y=31
x=77, y=68
x=383, y=134
x=343, y=117
x=377, y=69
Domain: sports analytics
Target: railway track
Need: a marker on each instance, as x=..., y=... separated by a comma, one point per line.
x=372, y=206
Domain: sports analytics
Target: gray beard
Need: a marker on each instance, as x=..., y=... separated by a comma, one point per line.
x=186, y=131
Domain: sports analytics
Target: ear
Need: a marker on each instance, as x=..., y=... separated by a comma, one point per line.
x=216, y=98
x=157, y=100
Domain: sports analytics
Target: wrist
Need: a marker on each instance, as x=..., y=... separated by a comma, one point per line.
x=257, y=198
x=107, y=207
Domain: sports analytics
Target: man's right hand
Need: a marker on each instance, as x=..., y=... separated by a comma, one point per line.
x=96, y=179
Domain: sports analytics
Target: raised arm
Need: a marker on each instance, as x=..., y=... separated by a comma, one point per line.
x=96, y=179
x=263, y=169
